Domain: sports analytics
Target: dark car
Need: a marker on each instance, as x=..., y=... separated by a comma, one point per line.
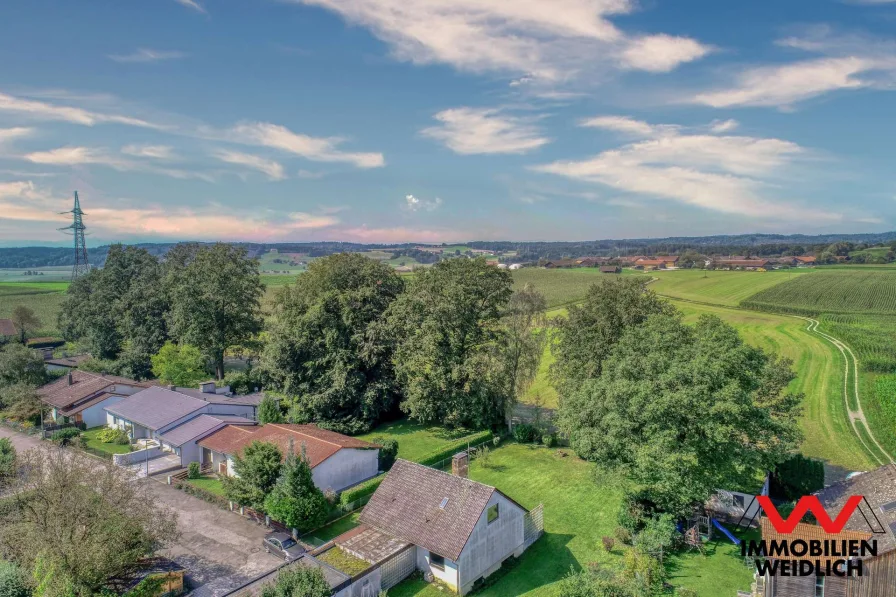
x=281, y=544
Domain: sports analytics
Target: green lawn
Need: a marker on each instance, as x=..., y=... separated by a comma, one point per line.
x=414, y=440
x=334, y=529
x=579, y=509
x=209, y=483
x=96, y=444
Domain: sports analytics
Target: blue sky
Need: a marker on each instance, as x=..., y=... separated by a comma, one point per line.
x=445, y=120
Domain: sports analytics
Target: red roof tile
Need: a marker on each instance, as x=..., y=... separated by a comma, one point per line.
x=84, y=384
x=319, y=444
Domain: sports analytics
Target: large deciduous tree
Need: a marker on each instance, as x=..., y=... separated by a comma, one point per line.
x=323, y=347
x=118, y=312
x=215, y=295
x=75, y=523
x=181, y=365
x=25, y=320
x=586, y=337
x=683, y=411
x=257, y=470
x=19, y=364
x=524, y=342
x=448, y=338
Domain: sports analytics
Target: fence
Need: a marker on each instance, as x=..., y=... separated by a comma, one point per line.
x=470, y=449
x=95, y=452
x=48, y=430
x=533, y=525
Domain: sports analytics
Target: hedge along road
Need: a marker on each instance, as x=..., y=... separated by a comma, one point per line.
x=856, y=415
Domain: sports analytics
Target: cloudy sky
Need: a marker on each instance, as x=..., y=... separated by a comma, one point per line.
x=446, y=120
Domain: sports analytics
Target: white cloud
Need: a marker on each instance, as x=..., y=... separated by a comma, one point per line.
x=147, y=55
x=662, y=53
x=313, y=148
x=728, y=174
x=75, y=156
x=723, y=126
x=628, y=126
x=551, y=41
x=413, y=203
x=11, y=134
x=484, y=130
x=192, y=4
x=155, y=152
x=273, y=169
x=46, y=111
x=790, y=83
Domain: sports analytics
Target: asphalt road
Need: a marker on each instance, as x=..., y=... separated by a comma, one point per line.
x=215, y=546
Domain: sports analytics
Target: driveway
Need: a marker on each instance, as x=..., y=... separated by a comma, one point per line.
x=214, y=545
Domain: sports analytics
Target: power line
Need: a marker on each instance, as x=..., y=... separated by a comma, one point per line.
x=77, y=227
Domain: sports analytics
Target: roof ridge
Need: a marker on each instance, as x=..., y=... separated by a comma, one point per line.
x=326, y=441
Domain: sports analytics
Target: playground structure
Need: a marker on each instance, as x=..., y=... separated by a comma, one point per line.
x=700, y=529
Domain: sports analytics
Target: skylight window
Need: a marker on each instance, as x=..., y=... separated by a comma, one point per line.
x=443, y=504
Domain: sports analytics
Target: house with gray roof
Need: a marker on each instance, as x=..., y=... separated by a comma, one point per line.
x=177, y=419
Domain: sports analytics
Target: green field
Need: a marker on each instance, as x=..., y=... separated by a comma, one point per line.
x=718, y=287
x=580, y=508
x=559, y=286
x=44, y=298
x=836, y=291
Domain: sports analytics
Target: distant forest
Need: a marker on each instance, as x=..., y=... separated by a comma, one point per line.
x=757, y=245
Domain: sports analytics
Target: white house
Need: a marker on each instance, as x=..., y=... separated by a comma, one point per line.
x=337, y=461
x=81, y=397
x=177, y=418
x=461, y=530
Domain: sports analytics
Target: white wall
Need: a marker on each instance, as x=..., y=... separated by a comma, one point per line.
x=347, y=467
x=95, y=416
x=491, y=544
x=448, y=575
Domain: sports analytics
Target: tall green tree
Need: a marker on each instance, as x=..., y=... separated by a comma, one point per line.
x=118, y=312
x=181, y=365
x=269, y=410
x=25, y=320
x=19, y=364
x=586, y=337
x=524, y=342
x=448, y=337
x=323, y=347
x=295, y=501
x=215, y=294
x=257, y=470
x=683, y=411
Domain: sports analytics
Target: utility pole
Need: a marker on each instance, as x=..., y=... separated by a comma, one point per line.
x=77, y=228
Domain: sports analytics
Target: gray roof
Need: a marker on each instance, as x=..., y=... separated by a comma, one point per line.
x=199, y=427
x=406, y=506
x=879, y=488
x=156, y=407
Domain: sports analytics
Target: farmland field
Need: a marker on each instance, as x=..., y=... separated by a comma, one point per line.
x=559, y=286
x=718, y=287
x=840, y=291
x=45, y=298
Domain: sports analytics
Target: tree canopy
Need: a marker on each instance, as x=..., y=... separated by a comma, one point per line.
x=257, y=470
x=19, y=364
x=25, y=320
x=298, y=581
x=447, y=333
x=295, y=500
x=586, y=337
x=683, y=411
x=181, y=365
x=322, y=347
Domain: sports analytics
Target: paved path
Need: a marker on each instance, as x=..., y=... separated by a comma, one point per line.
x=214, y=545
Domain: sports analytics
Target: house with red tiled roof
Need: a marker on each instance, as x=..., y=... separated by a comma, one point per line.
x=81, y=397
x=337, y=461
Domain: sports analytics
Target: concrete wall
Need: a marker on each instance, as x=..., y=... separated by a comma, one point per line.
x=491, y=543
x=239, y=410
x=448, y=576
x=345, y=468
x=138, y=456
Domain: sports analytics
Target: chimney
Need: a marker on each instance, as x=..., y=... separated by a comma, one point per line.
x=70, y=380
x=207, y=387
x=460, y=464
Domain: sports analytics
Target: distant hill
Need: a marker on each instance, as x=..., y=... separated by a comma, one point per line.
x=753, y=244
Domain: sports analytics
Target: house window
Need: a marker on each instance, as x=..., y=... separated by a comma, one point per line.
x=819, y=586
x=436, y=561
x=493, y=513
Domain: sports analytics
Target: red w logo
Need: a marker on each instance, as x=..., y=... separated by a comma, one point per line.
x=806, y=504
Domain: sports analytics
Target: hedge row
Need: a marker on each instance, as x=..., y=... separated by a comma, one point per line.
x=366, y=488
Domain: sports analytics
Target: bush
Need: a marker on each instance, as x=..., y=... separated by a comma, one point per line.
x=623, y=534
x=608, y=542
x=13, y=582
x=525, y=433
x=685, y=592
x=388, y=452
x=548, y=440
x=113, y=435
x=657, y=535
x=193, y=471
x=361, y=490
x=797, y=476
x=496, y=441
x=64, y=437
x=245, y=382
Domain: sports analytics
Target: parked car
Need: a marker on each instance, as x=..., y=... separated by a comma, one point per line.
x=282, y=545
